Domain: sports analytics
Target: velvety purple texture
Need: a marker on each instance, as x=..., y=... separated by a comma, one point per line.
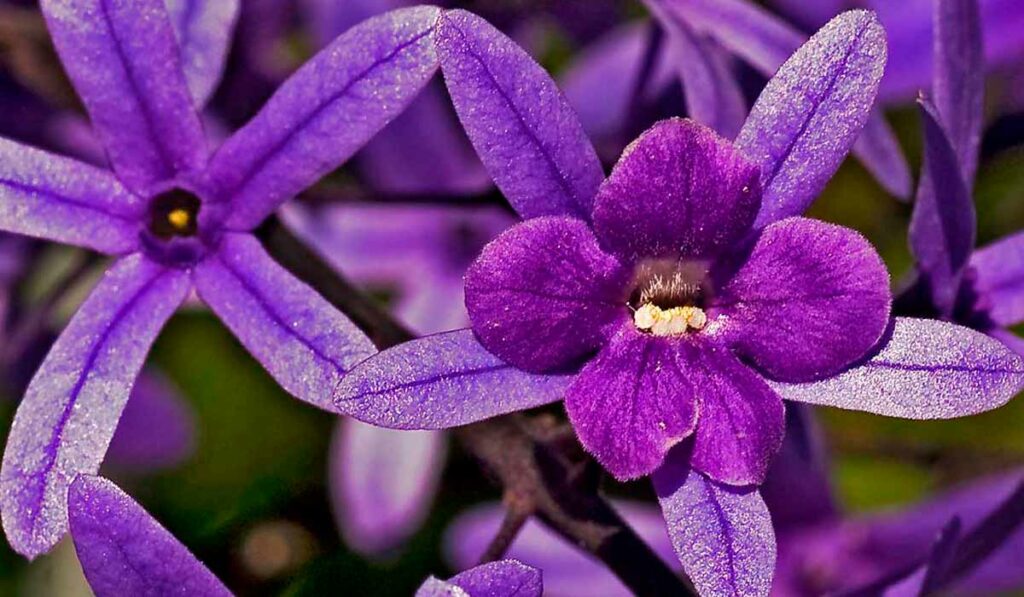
x=156, y=430
x=123, y=551
x=504, y=578
x=204, y=29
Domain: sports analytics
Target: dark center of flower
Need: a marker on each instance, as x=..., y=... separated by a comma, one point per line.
x=668, y=297
x=174, y=213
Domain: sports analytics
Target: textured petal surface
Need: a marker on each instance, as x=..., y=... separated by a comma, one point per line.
x=811, y=112
x=679, y=190
x=959, y=85
x=204, y=29
x=528, y=137
x=300, y=339
x=808, y=300
x=505, y=578
x=124, y=61
x=999, y=270
x=742, y=421
x=325, y=112
x=156, y=430
x=441, y=381
x=124, y=551
x=722, y=535
x=67, y=418
x=632, y=403
x=382, y=483
x=56, y=198
x=925, y=370
x=543, y=295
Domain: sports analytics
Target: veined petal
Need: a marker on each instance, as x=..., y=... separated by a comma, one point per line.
x=812, y=111
x=124, y=551
x=924, y=370
x=124, y=61
x=60, y=199
x=999, y=278
x=524, y=130
x=504, y=578
x=808, y=300
x=383, y=483
x=71, y=408
x=300, y=339
x=441, y=381
x=324, y=113
x=722, y=535
x=543, y=295
x=157, y=427
x=204, y=29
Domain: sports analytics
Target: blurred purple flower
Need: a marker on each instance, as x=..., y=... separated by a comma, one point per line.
x=504, y=578
x=177, y=217
x=156, y=429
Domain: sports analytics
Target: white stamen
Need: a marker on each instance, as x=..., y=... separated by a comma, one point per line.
x=669, y=322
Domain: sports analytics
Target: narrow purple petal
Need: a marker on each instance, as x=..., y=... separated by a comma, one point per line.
x=300, y=339
x=324, y=113
x=124, y=61
x=504, y=578
x=56, y=198
x=812, y=111
x=382, y=483
x=722, y=535
x=679, y=190
x=925, y=370
x=204, y=29
x=441, y=381
x=633, y=402
x=124, y=551
x=959, y=85
x=808, y=300
x=524, y=130
x=879, y=151
x=71, y=408
x=999, y=278
x=942, y=227
x=539, y=279
x=156, y=430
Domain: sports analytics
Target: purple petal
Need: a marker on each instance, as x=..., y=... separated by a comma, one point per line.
x=925, y=370
x=504, y=578
x=679, y=190
x=812, y=111
x=959, y=85
x=325, y=112
x=1009, y=339
x=742, y=421
x=808, y=300
x=633, y=402
x=539, y=279
x=300, y=339
x=123, y=551
x=999, y=271
x=156, y=430
x=382, y=483
x=722, y=535
x=56, y=198
x=67, y=418
x=879, y=151
x=124, y=61
x=438, y=382
x=204, y=29
x=522, y=127
x=942, y=227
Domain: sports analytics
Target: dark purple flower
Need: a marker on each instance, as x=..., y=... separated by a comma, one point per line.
x=178, y=218
x=504, y=578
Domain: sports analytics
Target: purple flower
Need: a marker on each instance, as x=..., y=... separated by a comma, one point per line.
x=177, y=218
x=504, y=578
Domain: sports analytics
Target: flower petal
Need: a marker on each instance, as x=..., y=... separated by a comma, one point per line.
x=382, y=483
x=438, y=382
x=959, y=85
x=504, y=578
x=808, y=300
x=300, y=339
x=633, y=402
x=324, y=113
x=543, y=295
x=124, y=551
x=925, y=370
x=157, y=427
x=812, y=111
x=742, y=421
x=999, y=271
x=204, y=29
x=880, y=153
x=60, y=199
x=125, y=64
x=67, y=418
x=678, y=190
x=722, y=535
x=528, y=137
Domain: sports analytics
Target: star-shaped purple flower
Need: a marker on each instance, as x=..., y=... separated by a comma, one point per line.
x=176, y=217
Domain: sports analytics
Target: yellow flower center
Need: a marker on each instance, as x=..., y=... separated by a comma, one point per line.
x=179, y=218
x=668, y=322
